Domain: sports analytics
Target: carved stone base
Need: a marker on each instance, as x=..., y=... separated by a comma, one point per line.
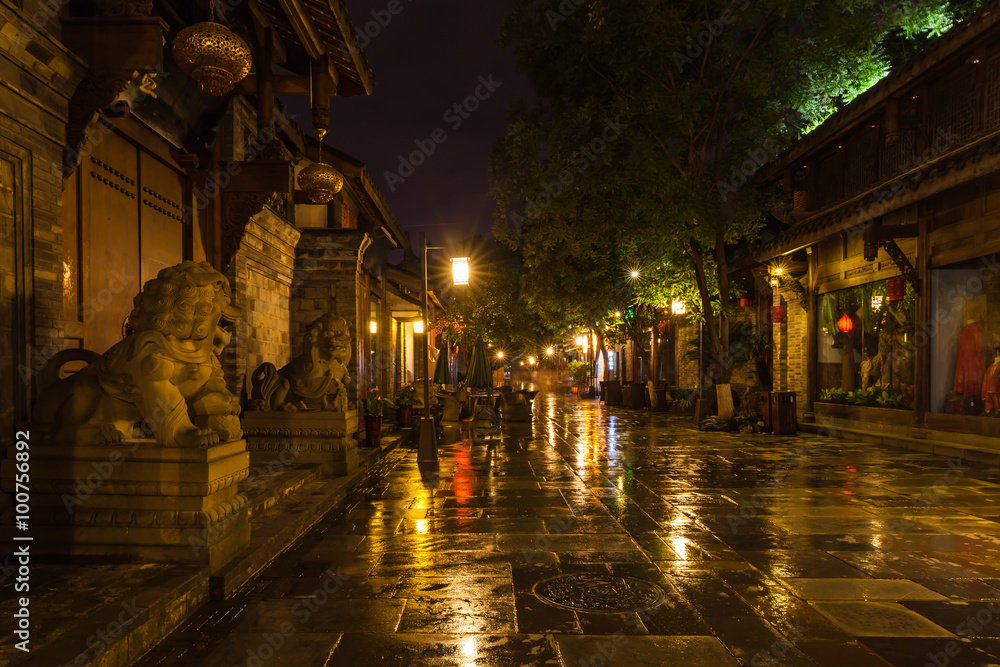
x=326, y=438
x=135, y=500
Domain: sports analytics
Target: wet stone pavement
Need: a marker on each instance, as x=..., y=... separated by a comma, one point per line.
x=601, y=536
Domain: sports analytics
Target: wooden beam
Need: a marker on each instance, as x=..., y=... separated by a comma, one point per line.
x=261, y=177
x=283, y=85
x=309, y=37
x=261, y=23
x=115, y=44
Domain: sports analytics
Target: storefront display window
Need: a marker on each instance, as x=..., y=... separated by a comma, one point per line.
x=865, y=352
x=964, y=334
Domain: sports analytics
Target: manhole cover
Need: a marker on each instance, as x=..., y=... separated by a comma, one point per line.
x=593, y=591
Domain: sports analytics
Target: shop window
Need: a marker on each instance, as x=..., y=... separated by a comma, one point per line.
x=865, y=345
x=964, y=335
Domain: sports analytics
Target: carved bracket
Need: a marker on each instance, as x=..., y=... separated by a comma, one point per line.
x=903, y=262
x=795, y=286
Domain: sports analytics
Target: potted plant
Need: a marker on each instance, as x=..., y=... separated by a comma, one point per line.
x=373, y=405
x=404, y=404
x=580, y=371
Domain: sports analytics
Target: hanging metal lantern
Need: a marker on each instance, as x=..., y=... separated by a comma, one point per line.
x=320, y=182
x=212, y=55
x=896, y=287
x=777, y=314
x=846, y=323
x=744, y=302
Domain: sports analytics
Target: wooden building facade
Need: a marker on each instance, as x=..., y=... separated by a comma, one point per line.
x=886, y=289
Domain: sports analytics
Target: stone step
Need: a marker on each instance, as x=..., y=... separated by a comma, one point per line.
x=286, y=504
x=903, y=441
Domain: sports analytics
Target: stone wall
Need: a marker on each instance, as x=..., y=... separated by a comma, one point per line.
x=37, y=78
x=791, y=341
x=261, y=274
x=327, y=274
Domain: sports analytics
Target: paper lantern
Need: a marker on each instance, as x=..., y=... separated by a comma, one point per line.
x=777, y=314
x=896, y=287
x=845, y=323
x=744, y=302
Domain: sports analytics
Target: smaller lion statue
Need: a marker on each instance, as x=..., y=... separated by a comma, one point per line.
x=317, y=379
x=164, y=376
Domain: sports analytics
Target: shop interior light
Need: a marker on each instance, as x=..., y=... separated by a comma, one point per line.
x=373, y=326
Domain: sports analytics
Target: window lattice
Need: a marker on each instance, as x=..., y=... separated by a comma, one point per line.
x=829, y=175
x=992, y=119
x=899, y=152
x=860, y=168
x=956, y=106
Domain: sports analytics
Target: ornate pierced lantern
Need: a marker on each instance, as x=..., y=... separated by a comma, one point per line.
x=896, y=287
x=778, y=314
x=319, y=181
x=846, y=323
x=212, y=55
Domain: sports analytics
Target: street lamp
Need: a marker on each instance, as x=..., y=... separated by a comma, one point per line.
x=418, y=326
x=427, y=446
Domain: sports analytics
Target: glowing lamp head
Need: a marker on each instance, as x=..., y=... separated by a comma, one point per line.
x=549, y=351
x=580, y=340
x=418, y=326
x=531, y=361
x=634, y=274
x=845, y=323
x=500, y=355
x=373, y=326
x=460, y=270
x=678, y=307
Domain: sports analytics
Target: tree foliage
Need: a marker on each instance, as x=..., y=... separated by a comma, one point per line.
x=652, y=117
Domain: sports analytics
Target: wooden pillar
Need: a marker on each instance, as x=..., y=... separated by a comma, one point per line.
x=812, y=336
x=265, y=83
x=922, y=376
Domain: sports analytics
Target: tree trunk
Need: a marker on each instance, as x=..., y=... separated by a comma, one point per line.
x=604, y=352
x=707, y=312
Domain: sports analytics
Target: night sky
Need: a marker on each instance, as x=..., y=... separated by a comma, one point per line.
x=431, y=56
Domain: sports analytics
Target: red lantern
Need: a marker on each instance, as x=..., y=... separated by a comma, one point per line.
x=454, y=349
x=846, y=323
x=744, y=302
x=896, y=288
x=777, y=314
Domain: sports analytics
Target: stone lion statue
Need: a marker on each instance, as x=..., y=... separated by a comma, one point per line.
x=165, y=374
x=317, y=379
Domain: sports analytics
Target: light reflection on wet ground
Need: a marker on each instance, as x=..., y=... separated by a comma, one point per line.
x=769, y=550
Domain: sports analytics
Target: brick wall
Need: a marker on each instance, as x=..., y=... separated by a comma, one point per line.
x=326, y=280
x=37, y=78
x=261, y=276
x=790, y=348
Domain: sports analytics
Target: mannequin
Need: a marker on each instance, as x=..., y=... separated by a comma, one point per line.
x=991, y=384
x=970, y=366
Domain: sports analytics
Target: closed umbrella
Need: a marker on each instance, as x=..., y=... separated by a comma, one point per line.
x=441, y=375
x=479, y=375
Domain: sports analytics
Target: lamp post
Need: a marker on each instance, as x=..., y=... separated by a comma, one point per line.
x=427, y=446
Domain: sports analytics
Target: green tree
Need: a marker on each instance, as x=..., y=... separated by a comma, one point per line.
x=652, y=117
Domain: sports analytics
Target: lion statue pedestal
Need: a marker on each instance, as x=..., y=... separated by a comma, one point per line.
x=302, y=409
x=139, y=454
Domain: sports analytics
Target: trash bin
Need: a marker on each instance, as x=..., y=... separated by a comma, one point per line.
x=612, y=392
x=765, y=410
x=784, y=420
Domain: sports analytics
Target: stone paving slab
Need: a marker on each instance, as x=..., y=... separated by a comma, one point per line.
x=765, y=550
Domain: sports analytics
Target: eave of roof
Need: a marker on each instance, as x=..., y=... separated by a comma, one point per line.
x=936, y=53
x=332, y=25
